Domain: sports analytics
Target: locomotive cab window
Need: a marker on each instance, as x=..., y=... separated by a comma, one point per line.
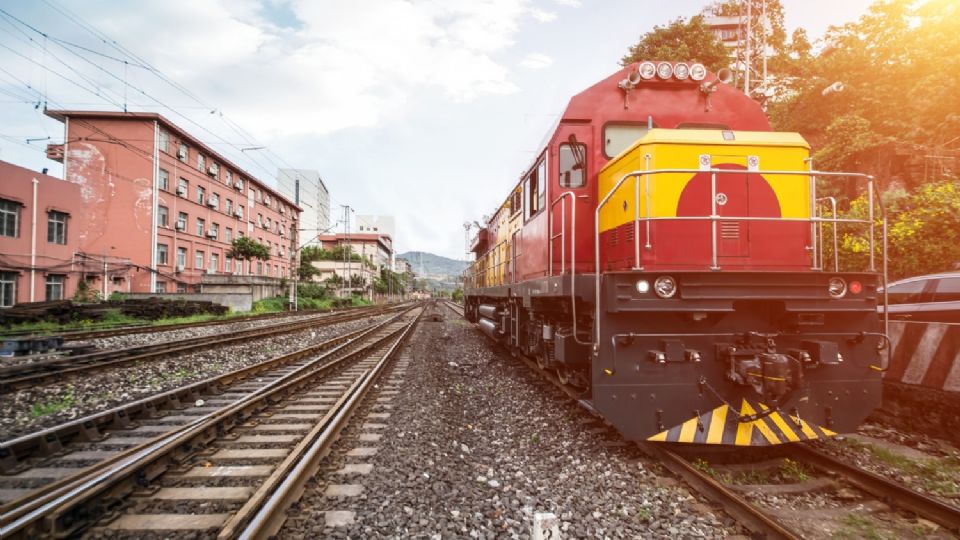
x=573, y=165
x=619, y=137
x=534, y=190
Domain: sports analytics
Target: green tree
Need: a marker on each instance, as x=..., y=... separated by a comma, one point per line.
x=899, y=101
x=680, y=41
x=245, y=248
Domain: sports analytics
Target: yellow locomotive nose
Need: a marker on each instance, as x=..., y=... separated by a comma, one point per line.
x=751, y=425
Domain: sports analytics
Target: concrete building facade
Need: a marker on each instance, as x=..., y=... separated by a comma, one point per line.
x=153, y=193
x=40, y=249
x=314, y=200
x=378, y=248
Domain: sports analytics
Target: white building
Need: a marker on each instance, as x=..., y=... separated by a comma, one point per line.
x=371, y=224
x=314, y=199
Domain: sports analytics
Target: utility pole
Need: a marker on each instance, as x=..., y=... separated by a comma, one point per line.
x=345, y=247
x=748, y=60
x=294, y=252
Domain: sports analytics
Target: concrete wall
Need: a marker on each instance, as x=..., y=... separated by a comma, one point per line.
x=234, y=301
x=257, y=287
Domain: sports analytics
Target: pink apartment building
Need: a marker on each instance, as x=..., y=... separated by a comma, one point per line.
x=152, y=193
x=40, y=258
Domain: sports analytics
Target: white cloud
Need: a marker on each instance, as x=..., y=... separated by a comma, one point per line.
x=542, y=16
x=570, y=3
x=536, y=61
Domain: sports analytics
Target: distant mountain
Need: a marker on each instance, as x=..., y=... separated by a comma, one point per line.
x=428, y=265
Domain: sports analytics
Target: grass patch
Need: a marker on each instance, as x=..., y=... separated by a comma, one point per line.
x=936, y=475
x=53, y=406
x=860, y=526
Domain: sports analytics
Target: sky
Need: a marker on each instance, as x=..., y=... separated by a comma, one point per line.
x=424, y=110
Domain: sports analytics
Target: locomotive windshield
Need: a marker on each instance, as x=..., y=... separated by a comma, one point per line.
x=619, y=137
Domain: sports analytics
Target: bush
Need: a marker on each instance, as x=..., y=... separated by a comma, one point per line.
x=923, y=232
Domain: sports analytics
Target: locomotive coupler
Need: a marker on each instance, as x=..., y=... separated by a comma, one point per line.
x=771, y=374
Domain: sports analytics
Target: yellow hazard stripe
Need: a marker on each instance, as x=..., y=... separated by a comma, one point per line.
x=717, y=423
x=768, y=434
x=688, y=430
x=782, y=425
x=805, y=428
x=659, y=437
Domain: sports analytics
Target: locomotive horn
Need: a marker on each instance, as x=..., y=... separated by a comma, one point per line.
x=835, y=87
x=723, y=76
x=631, y=82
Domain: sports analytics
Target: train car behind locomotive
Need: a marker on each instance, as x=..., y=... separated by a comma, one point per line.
x=665, y=253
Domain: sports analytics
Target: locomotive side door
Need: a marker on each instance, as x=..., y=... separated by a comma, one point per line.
x=571, y=195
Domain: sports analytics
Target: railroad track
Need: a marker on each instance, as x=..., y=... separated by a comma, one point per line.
x=283, y=423
x=757, y=520
x=47, y=371
x=126, y=329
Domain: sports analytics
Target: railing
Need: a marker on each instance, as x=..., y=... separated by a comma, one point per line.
x=479, y=278
x=563, y=252
x=814, y=220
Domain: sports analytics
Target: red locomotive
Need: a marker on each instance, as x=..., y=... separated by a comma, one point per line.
x=664, y=252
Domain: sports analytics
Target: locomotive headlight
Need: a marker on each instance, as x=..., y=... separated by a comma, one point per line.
x=647, y=70
x=681, y=71
x=837, y=287
x=643, y=286
x=664, y=70
x=665, y=286
x=698, y=72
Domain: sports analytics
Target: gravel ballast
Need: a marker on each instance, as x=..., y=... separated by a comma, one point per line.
x=32, y=409
x=476, y=445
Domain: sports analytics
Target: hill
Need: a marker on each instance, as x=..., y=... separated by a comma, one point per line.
x=430, y=266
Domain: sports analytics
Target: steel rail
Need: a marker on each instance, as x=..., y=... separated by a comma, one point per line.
x=73, y=505
x=890, y=492
x=27, y=375
x=264, y=514
x=52, y=440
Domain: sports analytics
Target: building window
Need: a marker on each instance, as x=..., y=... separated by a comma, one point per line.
x=8, y=289
x=215, y=201
x=163, y=215
x=201, y=194
x=182, y=187
x=9, y=218
x=228, y=264
x=201, y=162
x=55, y=286
x=228, y=178
x=181, y=258
x=161, y=287
x=215, y=230
x=259, y=268
x=181, y=288
x=164, y=141
x=214, y=262
x=162, y=254
x=182, y=221
x=183, y=154
x=198, y=260
x=56, y=227
x=240, y=211
x=229, y=208
x=228, y=235
x=259, y=220
x=163, y=180
x=200, y=226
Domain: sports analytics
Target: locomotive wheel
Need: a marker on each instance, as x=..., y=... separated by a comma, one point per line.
x=542, y=360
